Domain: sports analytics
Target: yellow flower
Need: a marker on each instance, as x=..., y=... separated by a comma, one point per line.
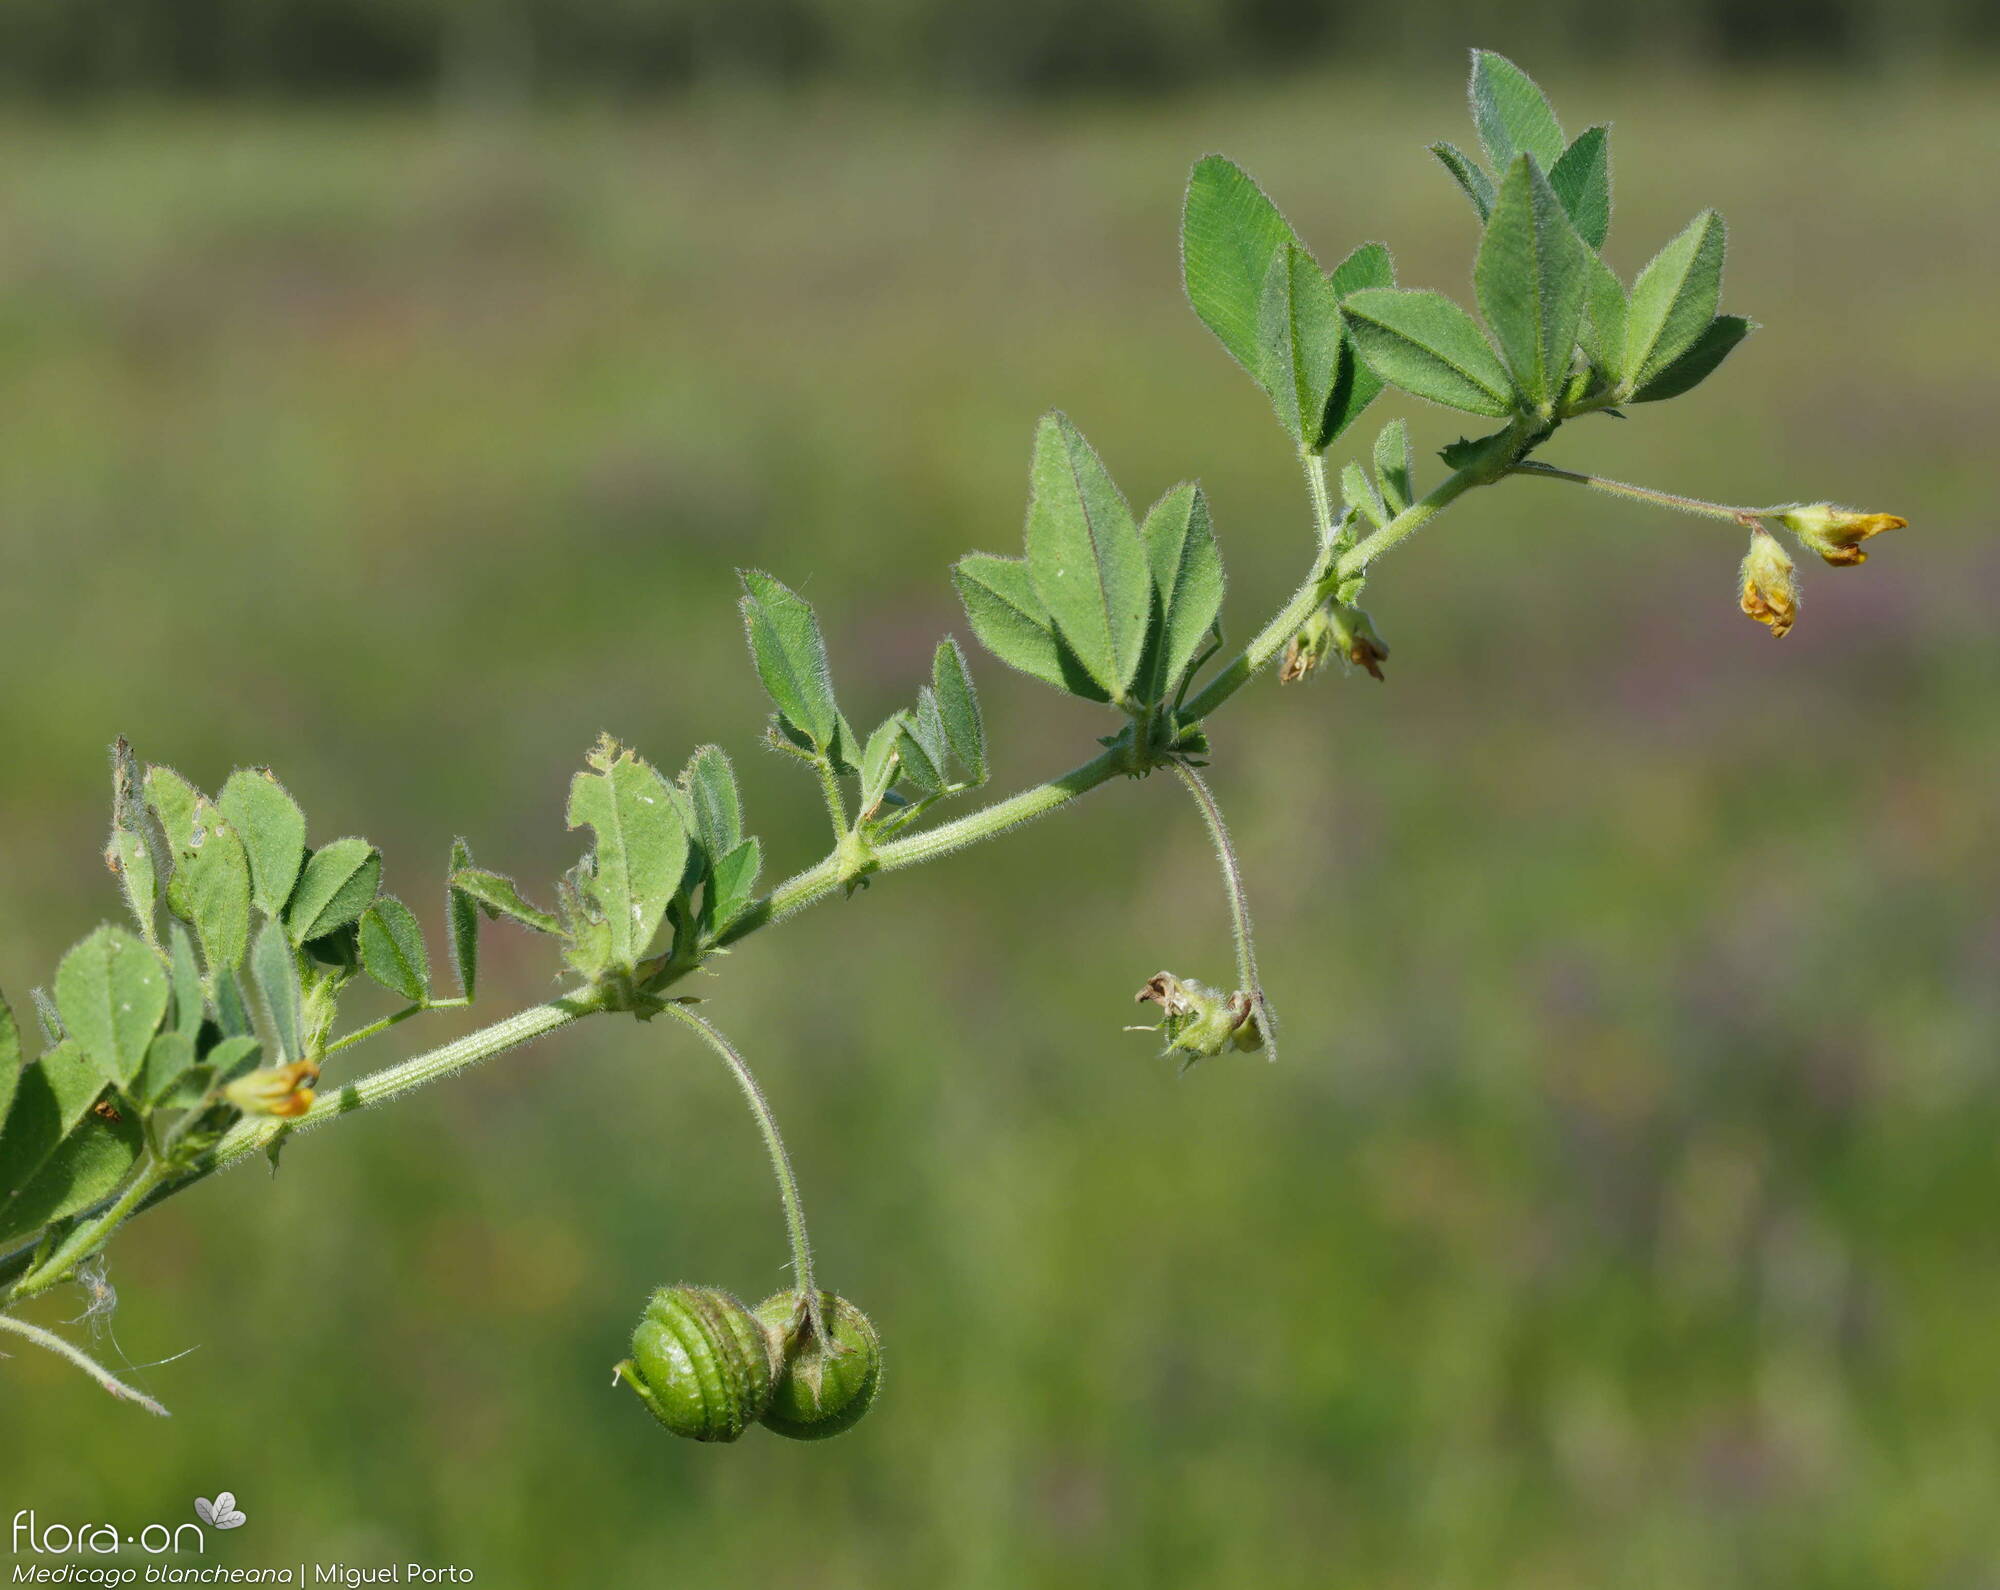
x=283, y=1091
x=1835, y=533
x=1770, y=583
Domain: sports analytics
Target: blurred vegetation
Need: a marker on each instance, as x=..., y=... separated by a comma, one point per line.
x=1621, y=1213
x=505, y=50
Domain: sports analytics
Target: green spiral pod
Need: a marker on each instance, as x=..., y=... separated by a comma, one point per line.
x=822, y=1389
x=701, y=1362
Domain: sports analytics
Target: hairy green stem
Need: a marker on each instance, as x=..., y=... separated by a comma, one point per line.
x=87, y=1238
x=836, y=803
x=252, y=1134
x=249, y=1137
x=1314, y=465
x=781, y=1162
x=82, y=1360
x=394, y=1019
x=1247, y=980
x=1441, y=496
x=805, y=889
x=1328, y=574
x=1660, y=499
x=826, y=877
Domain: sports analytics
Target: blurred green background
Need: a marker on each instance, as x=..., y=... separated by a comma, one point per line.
x=1622, y=1210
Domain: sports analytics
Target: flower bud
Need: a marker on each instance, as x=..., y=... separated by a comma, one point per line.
x=825, y=1384
x=1308, y=648
x=1770, y=583
x=283, y=1091
x=1359, y=643
x=701, y=1363
x=1835, y=533
x=1201, y=1022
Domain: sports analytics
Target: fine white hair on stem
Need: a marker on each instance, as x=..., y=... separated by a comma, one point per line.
x=1239, y=903
x=76, y=1355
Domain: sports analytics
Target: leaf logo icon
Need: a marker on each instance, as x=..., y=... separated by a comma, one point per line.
x=222, y=1513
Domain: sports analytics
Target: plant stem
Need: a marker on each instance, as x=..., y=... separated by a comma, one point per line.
x=87, y=1238
x=1247, y=980
x=82, y=1360
x=836, y=803
x=248, y=1137
x=374, y=1028
x=1314, y=465
x=1441, y=496
x=807, y=888
x=252, y=1134
x=1661, y=499
x=825, y=878
x=1328, y=574
x=781, y=1162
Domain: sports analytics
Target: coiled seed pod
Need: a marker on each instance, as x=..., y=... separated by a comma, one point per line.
x=701, y=1362
x=820, y=1390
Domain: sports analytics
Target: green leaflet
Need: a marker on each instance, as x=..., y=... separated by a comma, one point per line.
x=1300, y=334
x=1424, y=343
x=641, y=847
x=214, y=882
x=1359, y=493
x=1674, y=299
x=112, y=992
x=1355, y=385
x=340, y=949
x=233, y=1056
x=1471, y=176
x=232, y=1015
x=169, y=1058
x=1582, y=180
x=185, y=976
x=10, y=1057
x=130, y=852
x=393, y=951
x=1084, y=556
x=710, y=783
x=1392, y=467
x=498, y=895
x=1230, y=233
x=1530, y=279
x=1187, y=581
x=1511, y=113
x=55, y=1156
x=1601, y=331
x=1696, y=365
x=878, y=763
x=175, y=1078
x=47, y=1014
x=1011, y=622
x=337, y=884
x=461, y=913
x=920, y=746
x=734, y=882
x=274, y=967
x=209, y=884
x=273, y=833
x=174, y=802
x=132, y=859
x=958, y=708
x=790, y=655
